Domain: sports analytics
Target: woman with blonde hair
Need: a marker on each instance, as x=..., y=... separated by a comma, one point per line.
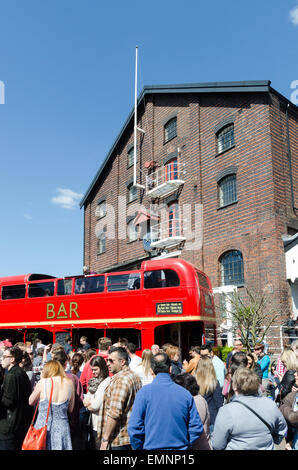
x=54, y=380
x=290, y=362
x=143, y=370
x=209, y=387
x=174, y=352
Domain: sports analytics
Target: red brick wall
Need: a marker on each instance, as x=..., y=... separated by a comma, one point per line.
x=254, y=225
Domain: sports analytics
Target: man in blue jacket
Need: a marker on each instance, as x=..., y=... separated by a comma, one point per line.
x=164, y=414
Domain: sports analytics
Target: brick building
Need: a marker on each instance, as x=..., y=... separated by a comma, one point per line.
x=217, y=169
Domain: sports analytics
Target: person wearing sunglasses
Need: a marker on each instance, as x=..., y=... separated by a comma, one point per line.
x=15, y=412
x=117, y=404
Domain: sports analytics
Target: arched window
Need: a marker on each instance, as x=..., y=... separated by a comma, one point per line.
x=172, y=170
x=225, y=138
x=130, y=157
x=101, y=209
x=132, y=231
x=174, y=228
x=227, y=190
x=170, y=129
x=231, y=266
x=132, y=192
x=102, y=240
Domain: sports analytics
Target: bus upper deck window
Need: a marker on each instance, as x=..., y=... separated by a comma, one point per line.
x=203, y=280
x=64, y=287
x=121, y=282
x=161, y=278
x=13, y=292
x=41, y=289
x=90, y=285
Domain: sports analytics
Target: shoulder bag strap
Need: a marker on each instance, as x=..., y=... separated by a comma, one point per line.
x=255, y=413
x=49, y=402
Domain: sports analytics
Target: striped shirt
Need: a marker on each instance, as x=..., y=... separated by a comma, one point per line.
x=117, y=404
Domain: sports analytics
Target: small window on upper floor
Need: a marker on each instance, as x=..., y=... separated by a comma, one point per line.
x=225, y=138
x=132, y=231
x=130, y=157
x=170, y=129
x=171, y=169
x=102, y=241
x=101, y=209
x=227, y=190
x=132, y=193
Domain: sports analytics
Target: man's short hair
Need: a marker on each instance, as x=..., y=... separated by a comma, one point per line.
x=160, y=363
x=206, y=346
x=131, y=348
x=84, y=338
x=104, y=343
x=17, y=353
x=121, y=352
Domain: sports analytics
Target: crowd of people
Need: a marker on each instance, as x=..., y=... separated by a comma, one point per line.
x=110, y=398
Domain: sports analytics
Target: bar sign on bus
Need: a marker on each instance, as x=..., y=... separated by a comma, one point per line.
x=169, y=308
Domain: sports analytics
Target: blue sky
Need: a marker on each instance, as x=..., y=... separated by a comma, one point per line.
x=68, y=71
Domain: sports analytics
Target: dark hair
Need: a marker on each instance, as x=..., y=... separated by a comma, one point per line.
x=60, y=356
x=26, y=361
x=131, y=348
x=17, y=353
x=160, y=363
x=89, y=354
x=76, y=362
x=99, y=361
x=239, y=359
x=121, y=352
x=206, y=346
x=189, y=382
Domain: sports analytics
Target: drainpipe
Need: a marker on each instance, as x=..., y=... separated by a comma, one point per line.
x=290, y=158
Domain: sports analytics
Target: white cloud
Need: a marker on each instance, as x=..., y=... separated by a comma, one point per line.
x=28, y=216
x=294, y=16
x=66, y=198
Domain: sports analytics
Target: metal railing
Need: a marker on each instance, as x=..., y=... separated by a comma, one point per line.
x=162, y=177
x=171, y=231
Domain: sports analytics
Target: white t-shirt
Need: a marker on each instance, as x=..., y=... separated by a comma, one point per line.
x=145, y=379
x=134, y=362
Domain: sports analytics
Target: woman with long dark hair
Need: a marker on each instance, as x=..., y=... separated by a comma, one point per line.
x=96, y=389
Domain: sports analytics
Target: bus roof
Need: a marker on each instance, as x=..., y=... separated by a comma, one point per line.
x=21, y=279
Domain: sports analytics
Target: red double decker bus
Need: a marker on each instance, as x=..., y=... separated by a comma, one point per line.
x=167, y=300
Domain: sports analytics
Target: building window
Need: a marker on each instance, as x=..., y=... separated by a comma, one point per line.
x=101, y=209
x=172, y=170
x=174, y=228
x=231, y=265
x=102, y=241
x=225, y=138
x=132, y=193
x=130, y=157
x=227, y=190
x=171, y=129
x=132, y=231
